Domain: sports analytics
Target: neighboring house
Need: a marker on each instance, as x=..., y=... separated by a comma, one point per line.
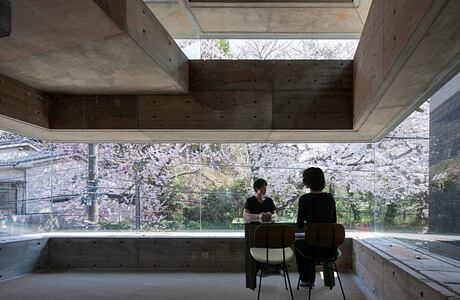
x=33, y=180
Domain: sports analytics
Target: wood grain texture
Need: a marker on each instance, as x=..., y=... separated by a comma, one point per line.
x=206, y=110
x=230, y=95
x=21, y=102
x=96, y=112
x=400, y=19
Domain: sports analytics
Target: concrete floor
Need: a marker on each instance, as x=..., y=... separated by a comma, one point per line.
x=147, y=285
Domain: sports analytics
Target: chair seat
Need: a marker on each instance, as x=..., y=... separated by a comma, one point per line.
x=323, y=259
x=275, y=255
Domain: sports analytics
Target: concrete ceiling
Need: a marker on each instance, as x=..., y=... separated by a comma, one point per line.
x=261, y=19
x=84, y=46
x=108, y=70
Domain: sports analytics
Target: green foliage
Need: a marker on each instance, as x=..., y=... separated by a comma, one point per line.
x=219, y=206
x=354, y=209
x=115, y=226
x=224, y=46
x=390, y=214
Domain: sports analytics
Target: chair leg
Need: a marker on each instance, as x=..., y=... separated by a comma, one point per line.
x=284, y=275
x=298, y=283
x=338, y=276
x=309, y=292
x=260, y=282
x=289, y=281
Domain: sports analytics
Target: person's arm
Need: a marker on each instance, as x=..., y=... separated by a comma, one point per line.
x=301, y=214
x=268, y=216
x=248, y=217
x=334, y=210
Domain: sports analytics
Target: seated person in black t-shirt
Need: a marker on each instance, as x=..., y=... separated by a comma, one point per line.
x=259, y=207
x=314, y=207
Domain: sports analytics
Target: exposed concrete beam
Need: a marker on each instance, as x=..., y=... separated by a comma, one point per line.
x=195, y=136
x=362, y=8
x=408, y=50
x=279, y=20
x=86, y=46
x=271, y=3
x=225, y=95
x=177, y=18
x=21, y=106
x=261, y=19
x=281, y=35
x=5, y=18
x=229, y=101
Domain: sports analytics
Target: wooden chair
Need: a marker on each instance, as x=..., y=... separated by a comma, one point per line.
x=273, y=247
x=324, y=235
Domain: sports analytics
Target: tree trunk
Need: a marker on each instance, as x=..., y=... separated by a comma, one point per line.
x=91, y=202
x=137, y=201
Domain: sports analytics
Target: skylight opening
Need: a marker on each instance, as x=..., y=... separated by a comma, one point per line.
x=269, y=49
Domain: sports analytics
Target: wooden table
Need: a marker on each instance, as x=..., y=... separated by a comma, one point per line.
x=250, y=265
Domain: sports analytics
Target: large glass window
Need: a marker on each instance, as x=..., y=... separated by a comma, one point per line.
x=175, y=187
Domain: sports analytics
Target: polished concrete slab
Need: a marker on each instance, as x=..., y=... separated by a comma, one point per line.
x=154, y=285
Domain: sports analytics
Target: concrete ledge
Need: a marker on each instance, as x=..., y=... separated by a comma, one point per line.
x=186, y=253
x=394, y=270
x=21, y=256
x=180, y=251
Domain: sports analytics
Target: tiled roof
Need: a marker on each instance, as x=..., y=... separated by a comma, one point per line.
x=21, y=141
x=34, y=157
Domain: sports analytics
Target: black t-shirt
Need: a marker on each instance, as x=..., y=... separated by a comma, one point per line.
x=255, y=207
x=316, y=208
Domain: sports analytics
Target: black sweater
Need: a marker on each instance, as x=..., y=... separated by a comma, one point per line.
x=316, y=208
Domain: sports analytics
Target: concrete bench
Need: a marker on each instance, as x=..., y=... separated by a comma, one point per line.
x=392, y=269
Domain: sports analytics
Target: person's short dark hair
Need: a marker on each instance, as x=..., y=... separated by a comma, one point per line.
x=258, y=184
x=314, y=179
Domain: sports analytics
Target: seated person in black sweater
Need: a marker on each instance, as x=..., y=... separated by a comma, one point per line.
x=314, y=207
x=258, y=207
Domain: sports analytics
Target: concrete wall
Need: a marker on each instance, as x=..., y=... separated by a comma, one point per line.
x=197, y=254
x=22, y=256
x=210, y=254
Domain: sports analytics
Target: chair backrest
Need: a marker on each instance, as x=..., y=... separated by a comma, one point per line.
x=325, y=234
x=274, y=236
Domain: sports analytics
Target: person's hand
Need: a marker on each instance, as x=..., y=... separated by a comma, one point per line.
x=266, y=217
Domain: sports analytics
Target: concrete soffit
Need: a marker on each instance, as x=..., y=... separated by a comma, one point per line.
x=262, y=19
x=120, y=77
